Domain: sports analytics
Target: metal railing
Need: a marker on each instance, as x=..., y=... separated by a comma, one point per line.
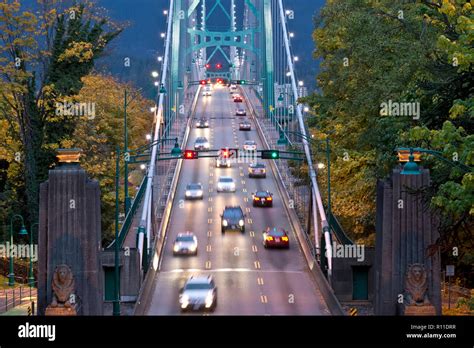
x=11, y=298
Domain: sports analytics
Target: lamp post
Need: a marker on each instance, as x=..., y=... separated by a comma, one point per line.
x=11, y=275
x=31, y=277
x=411, y=168
x=116, y=304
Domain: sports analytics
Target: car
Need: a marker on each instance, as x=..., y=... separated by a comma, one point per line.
x=240, y=112
x=207, y=91
x=201, y=143
x=262, y=199
x=194, y=191
x=233, y=218
x=233, y=87
x=202, y=123
x=250, y=145
x=257, y=170
x=245, y=125
x=276, y=238
x=237, y=99
x=223, y=162
x=199, y=292
x=225, y=184
x=185, y=244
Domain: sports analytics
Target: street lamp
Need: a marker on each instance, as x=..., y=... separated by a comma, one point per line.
x=160, y=58
x=411, y=168
x=31, y=276
x=116, y=302
x=162, y=35
x=155, y=74
x=23, y=232
x=165, y=12
x=296, y=58
x=301, y=83
x=292, y=35
x=148, y=137
x=156, y=83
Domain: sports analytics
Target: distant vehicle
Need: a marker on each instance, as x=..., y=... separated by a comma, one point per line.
x=194, y=191
x=240, y=112
x=199, y=292
x=238, y=99
x=245, y=125
x=207, y=91
x=250, y=145
x=257, y=170
x=262, y=199
x=223, y=162
x=202, y=123
x=276, y=238
x=233, y=218
x=233, y=87
x=185, y=244
x=201, y=143
x=225, y=184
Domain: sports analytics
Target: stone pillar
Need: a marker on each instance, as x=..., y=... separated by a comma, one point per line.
x=70, y=234
x=405, y=228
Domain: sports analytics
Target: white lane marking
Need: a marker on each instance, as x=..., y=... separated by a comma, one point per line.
x=209, y=248
x=263, y=298
x=252, y=234
x=208, y=264
x=254, y=248
x=260, y=281
x=209, y=233
x=256, y=264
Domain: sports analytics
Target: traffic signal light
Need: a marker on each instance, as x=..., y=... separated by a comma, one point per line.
x=219, y=81
x=219, y=66
x=241, y=82
x=208, y=66
x=224, y=153
x=203, y=82
x=190, y=154
x=270, y=154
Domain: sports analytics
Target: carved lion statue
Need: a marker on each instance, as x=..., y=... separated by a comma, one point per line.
x=63, y=286
x=416, y=285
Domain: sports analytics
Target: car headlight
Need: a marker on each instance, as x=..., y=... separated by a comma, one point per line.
x=184, y=299
x=224, y=223
x=241, y=222
x=188, y=193
x=209, y=300
x=176, y=247
x=193, y=248
x=199, y=192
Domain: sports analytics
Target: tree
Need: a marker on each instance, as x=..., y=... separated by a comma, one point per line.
x=44, y=55
x=380, y=51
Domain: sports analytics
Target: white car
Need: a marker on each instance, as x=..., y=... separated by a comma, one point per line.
x=250, y=145
x=185, y=244
x=225, y=184
x=194, y=191
x=207, y=91
x=199, y=292
x=222, y=162
x=201, y=143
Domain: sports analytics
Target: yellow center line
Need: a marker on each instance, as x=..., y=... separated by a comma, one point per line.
x=208, y=248
x=209, y=221
x=252, y=234
x=209, y=233
x=254, y=248
x=260, y=281
x=208, y=264
x=263, y=298
x=256, y=264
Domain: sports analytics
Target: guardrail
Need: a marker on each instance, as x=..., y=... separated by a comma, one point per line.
x=125, y=228
x=306, y=246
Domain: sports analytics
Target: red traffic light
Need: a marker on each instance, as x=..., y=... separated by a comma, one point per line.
x=203, y=82
x=219, y=81
x=219, y=66
x=190, y=154
x=224, y=153
x=208, y=66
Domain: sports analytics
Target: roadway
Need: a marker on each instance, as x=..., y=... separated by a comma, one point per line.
x=251, y=280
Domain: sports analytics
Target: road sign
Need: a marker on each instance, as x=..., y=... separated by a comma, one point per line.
x=449, y=270
x=353, y=311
